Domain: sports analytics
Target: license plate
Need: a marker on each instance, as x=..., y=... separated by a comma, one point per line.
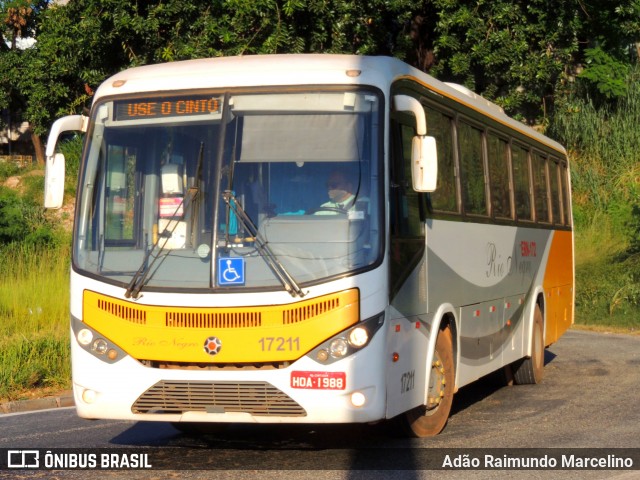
x=319, y=380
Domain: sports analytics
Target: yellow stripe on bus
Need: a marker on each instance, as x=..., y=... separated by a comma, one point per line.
x=271, y=333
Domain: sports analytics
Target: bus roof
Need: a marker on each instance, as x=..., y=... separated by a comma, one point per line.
x=298, y=69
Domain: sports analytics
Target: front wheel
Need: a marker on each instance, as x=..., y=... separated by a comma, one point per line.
x=429, y=420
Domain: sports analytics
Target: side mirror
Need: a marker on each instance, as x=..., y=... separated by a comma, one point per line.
x=54, y=174
x=54, y=181
x=424, y=154
x=424, y=163
x=64, y=124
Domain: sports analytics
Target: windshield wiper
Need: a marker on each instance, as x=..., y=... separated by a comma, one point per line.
x=139, y=278
x=289, y=284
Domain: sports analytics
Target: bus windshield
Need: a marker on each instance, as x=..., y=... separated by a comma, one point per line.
x=225, y=190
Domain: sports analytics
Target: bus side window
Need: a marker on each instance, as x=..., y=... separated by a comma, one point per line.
x=555, y=192
x=439, y=125
x=409, y=205
x=520, y=165
x=498, y=153
x=540, y=188
x=566, y=197
x=474, y=197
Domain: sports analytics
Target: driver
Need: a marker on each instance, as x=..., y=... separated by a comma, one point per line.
x=340, y=192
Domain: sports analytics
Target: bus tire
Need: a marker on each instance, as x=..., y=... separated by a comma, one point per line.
x=531, y=369
x=429, y=420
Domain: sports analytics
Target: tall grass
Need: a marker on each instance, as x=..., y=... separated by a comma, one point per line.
x=604, y=141
x=34, y=285
x=34, y=318
x=33, y=295
x=39, y=360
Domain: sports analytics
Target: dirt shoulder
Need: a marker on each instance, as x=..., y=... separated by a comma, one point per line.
x=37, y=399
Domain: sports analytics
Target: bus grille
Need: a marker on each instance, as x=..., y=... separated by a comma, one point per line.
x=132, y=314
x=309, y=311
x=255, y=398
x=213, y=319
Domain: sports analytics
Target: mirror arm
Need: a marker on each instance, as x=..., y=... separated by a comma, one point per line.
x=424, y=154
x=405, y=103
x=64, y=124
x=54, y=172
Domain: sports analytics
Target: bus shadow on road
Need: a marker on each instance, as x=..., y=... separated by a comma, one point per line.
x=487, y=386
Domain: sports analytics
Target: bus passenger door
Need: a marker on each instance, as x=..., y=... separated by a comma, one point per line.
x=407, y=215
x=408, y=336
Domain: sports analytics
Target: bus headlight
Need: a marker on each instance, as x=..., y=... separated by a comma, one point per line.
x=85, y=336
x=100, y=346
x=358, y=337
x=347, y=342
x=96, y=343
x=338, y=348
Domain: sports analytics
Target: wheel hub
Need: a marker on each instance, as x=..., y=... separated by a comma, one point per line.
x=437, y=383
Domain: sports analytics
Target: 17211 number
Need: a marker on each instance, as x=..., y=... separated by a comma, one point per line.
x=279, y=344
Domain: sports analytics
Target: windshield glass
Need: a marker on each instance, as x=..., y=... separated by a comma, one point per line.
x=263, y=190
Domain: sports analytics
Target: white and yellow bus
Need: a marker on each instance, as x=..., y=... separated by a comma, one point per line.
x=307, y=239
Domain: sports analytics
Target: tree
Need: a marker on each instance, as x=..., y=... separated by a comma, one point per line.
x=518, y=53
x=512, y=52
x=19, y=18
x=523, y=54
x=82, y=43
x=611, y=38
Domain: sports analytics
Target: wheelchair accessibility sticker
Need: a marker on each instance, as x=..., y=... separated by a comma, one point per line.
x=230, y=271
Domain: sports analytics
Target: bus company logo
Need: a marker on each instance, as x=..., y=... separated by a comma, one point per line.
x=23, y=459
x=212, y=345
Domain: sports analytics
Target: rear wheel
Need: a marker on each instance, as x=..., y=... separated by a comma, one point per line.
x=531, y=369
x=428, y=420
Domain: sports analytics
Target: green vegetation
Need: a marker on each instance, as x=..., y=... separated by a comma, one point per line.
x=603, y=141
x=34, y=306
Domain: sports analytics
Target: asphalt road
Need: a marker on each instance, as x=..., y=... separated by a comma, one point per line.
x=588, y=399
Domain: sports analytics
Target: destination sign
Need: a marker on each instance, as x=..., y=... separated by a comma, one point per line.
x=166, y=107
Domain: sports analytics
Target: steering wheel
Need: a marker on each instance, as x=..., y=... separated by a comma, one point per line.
x=340, y=211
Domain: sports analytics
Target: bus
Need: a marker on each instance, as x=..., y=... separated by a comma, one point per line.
x=216, y=278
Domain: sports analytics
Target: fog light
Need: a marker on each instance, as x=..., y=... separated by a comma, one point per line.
x=89, y=396
x=85, y=336
x=359, y=337
x=338, y=348
x=358, y=399
x=100, y=346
